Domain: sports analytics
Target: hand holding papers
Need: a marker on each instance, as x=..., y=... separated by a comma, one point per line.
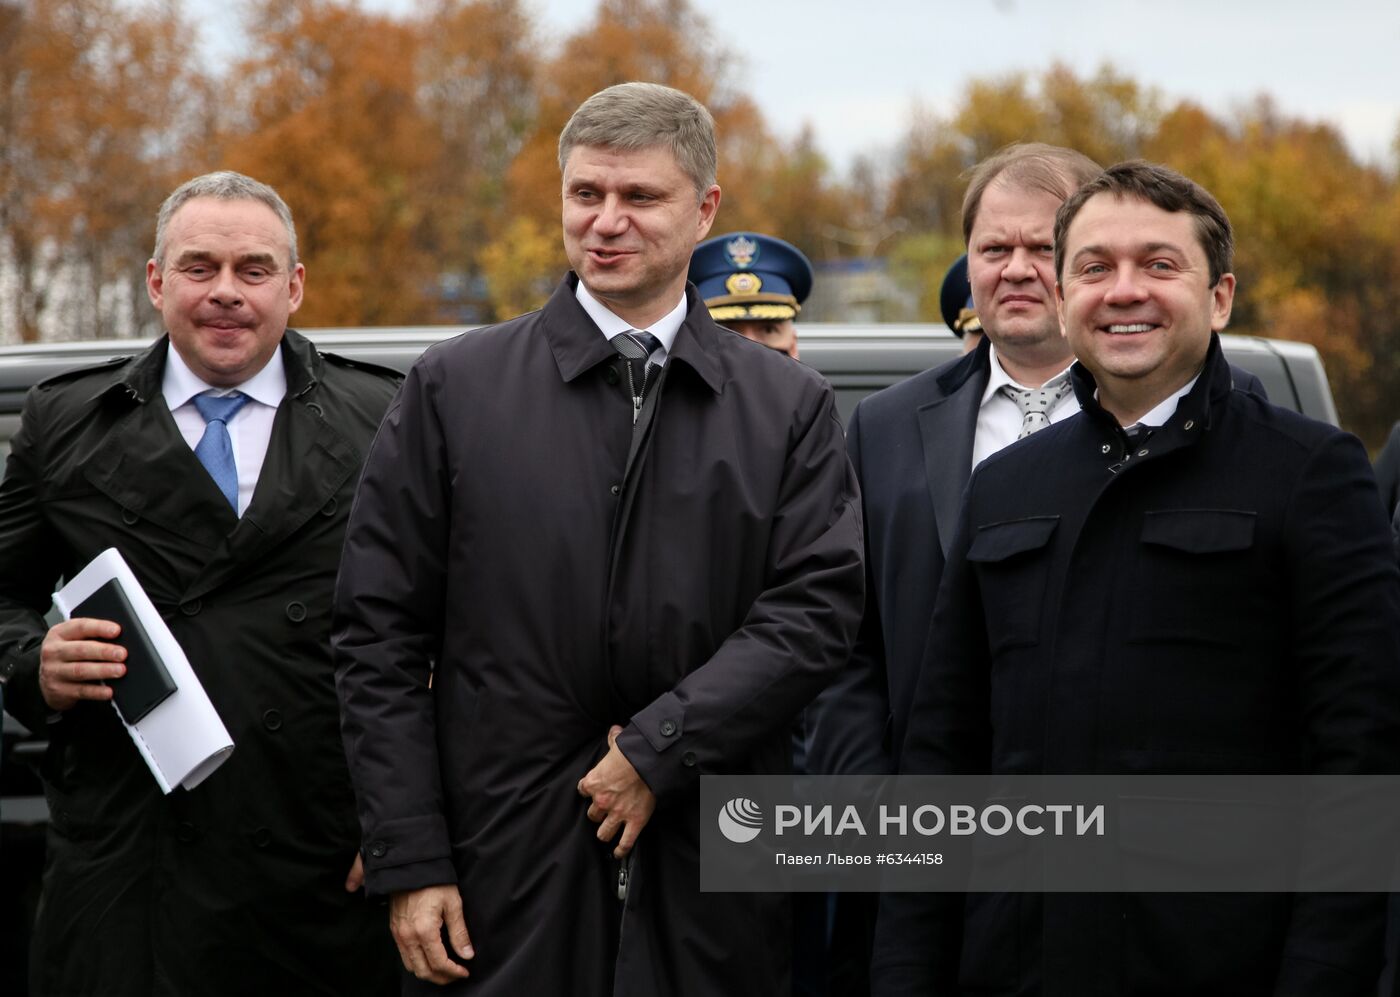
x=160, y=699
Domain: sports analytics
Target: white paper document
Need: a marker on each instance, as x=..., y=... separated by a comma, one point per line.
x=182, y=739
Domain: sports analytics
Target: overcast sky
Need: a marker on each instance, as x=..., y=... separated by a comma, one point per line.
x=855, y=69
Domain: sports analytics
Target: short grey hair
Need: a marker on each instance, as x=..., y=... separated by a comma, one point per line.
x=224, y=185
x=632, y=116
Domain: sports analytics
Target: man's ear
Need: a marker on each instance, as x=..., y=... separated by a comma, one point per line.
x=1222, y=300
x=155, y=283
x=709, y=207
x=296, y=284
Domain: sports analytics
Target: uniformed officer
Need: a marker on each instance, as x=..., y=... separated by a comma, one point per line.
x=955, y=302
x=754, y=284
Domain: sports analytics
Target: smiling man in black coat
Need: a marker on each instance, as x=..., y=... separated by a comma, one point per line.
x=599, y=551
x=244, y=883
x=1180, y=579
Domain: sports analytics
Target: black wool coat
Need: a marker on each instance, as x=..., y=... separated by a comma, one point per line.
x=911, y=445
x=235, y=886
x=1219, y=599
x=698, y=594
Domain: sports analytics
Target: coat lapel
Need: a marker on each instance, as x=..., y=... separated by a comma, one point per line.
x=146, y=467
x=307, y=463
x=948, y=425
x=144, y=464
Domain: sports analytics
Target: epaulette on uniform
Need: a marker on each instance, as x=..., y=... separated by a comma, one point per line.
x=98, y=367
x=372, y=368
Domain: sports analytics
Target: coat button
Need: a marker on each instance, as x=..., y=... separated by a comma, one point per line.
x=668, y=727
x=1190, y=424
x=313, y=407
x=688, y=759
x=616, y=489
x=1142, y=453
x=192, y=607
x=272, y=720
x=262, y=837
x=185, y=831
x=610, y=374
x=378, y=849
x=330, y=507
x=296, y=612
x=130, y=518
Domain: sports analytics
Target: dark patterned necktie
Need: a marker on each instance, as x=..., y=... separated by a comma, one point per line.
x=636, y=348
x=1036, y=404
x=215, y=447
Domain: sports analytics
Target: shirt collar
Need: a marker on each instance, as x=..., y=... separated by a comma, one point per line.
x=998, y=377
x=180, y=384
x=664, y=328
x=1164, y=410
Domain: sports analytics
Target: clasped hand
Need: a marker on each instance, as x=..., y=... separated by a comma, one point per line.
x=620, y=799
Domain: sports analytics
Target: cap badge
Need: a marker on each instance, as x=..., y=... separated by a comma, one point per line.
x=742, y=283
x=741, y=251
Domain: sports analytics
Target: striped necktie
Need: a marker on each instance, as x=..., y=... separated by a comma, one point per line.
x=636, y=348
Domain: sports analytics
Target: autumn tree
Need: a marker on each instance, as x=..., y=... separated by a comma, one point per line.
x=333, y=122
x=477, y=66
x=660, y=41
x=96, y=106
x=1312, y=244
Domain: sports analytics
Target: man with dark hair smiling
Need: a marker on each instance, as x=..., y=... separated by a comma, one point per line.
x=1180, y=579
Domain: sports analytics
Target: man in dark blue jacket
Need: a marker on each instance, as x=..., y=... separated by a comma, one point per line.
x=1181, y=578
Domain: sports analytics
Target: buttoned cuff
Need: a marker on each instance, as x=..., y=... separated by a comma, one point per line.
x=647, y=742
x=23, y=698
x=411, y=850
x=414, y=876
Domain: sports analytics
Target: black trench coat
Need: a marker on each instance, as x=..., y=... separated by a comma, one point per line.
x=236, y=886
x=700, y=599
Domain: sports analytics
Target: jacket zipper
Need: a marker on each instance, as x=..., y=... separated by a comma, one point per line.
x=637, y=395
x=624, y=869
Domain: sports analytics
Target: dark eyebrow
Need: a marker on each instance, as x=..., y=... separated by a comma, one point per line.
x=260, y=259
x=1149, y=247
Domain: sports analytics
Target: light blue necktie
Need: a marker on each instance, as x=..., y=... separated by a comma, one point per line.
x=215, y=449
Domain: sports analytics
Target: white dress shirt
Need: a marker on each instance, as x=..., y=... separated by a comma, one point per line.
x=999, y=419
x=1164, y=410
x=249, y=429
x=664, y=328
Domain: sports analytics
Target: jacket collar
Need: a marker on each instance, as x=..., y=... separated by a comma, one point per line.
x=965, y=367
x=1194, y=414
x=577, y=346
x=1212, y=387
x=140, y=380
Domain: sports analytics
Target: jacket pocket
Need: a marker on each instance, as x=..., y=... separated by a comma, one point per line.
x=1011, y=563
x=1195, y=571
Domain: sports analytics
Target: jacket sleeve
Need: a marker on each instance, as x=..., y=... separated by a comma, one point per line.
x=386, y=634
x=1345, y=616
x=29, y=567
x=797, y=634
x=848, y=725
